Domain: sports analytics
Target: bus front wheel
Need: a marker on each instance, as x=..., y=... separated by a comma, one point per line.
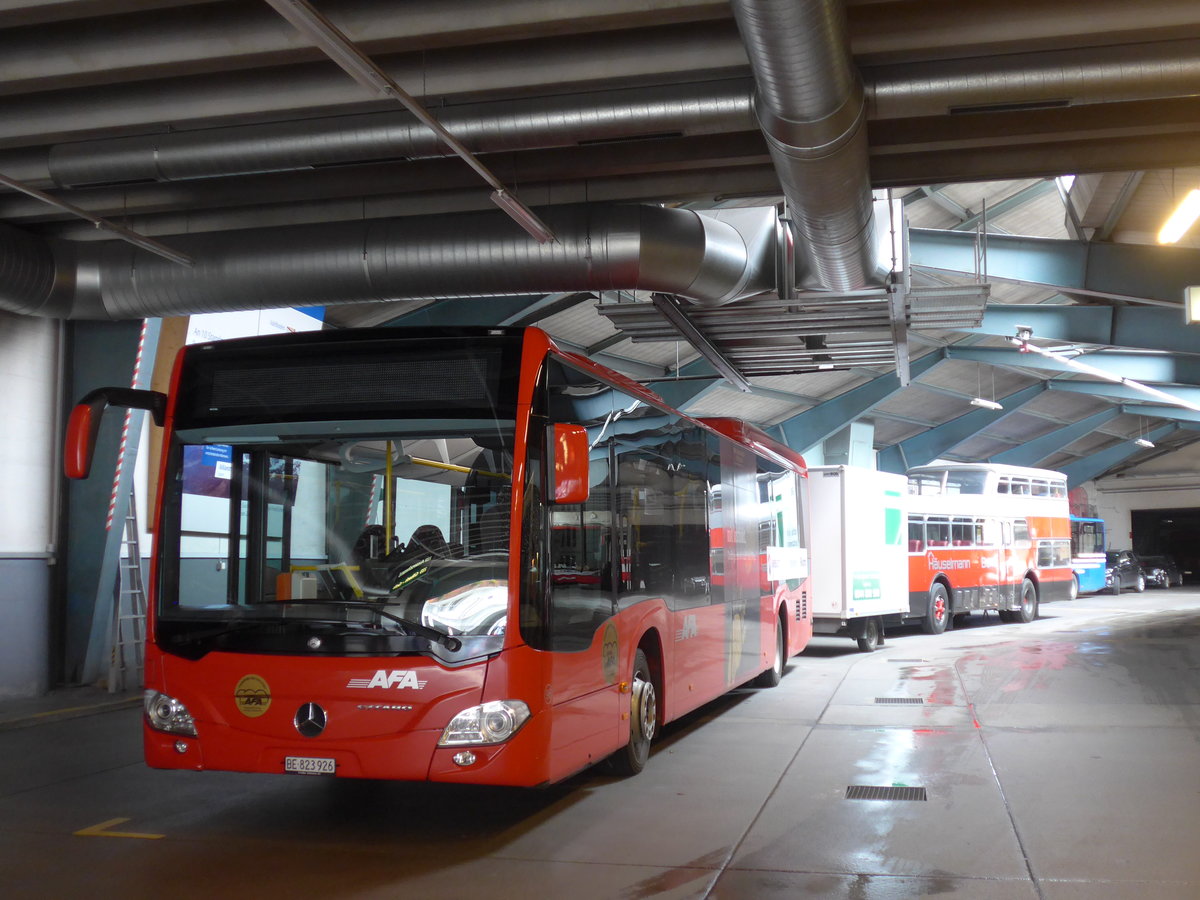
x=938, y=613
x=643, y=719
x=772, y=676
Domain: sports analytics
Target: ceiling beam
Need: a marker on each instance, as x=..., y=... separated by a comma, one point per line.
x=1135, y=273
x=1118, y=391
x=929, y=445
x=1008, y=204
x=1030, y=453
x=547, y=306
x=812, y=426
x=1095, y=464
x=1132, y=327
x=1150, y=368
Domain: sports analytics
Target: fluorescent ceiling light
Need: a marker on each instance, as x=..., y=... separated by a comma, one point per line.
x=986, y=404
x=1143, y=442
x=523, y=216
x=1181, y=220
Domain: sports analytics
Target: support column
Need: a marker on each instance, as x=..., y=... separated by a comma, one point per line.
x=29, y=371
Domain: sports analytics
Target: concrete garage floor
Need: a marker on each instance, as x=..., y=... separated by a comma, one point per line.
x=1059, y=760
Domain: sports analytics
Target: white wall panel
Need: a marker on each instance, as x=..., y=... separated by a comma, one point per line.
x=28, y=452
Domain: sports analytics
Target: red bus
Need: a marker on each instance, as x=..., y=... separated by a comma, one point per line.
x=454, y=555
x=986, y=537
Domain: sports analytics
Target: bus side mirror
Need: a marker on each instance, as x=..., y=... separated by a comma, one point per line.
x=84, y=424
x=570, y=464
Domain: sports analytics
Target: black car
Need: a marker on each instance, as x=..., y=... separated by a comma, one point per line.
x=1123, y=571
x=1161, y=571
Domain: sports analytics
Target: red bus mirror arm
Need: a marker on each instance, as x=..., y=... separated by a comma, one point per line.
x=84, y=424
x=570, y=464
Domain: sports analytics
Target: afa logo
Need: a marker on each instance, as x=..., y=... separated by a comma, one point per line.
x=395, y=678
x=252, y=696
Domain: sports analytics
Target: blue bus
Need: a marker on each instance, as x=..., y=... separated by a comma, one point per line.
x=1087, y=555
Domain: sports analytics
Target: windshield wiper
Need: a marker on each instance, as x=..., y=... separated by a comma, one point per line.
x=415, y=629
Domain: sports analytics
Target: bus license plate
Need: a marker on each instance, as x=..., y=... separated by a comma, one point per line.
x=308, y=765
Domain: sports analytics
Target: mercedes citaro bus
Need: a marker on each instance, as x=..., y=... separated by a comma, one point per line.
x=456, y=555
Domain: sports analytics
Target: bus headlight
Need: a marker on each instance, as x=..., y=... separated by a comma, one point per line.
x=491, y=723
x=168, y=714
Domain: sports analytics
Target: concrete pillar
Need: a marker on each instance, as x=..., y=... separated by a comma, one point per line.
x=29, y=481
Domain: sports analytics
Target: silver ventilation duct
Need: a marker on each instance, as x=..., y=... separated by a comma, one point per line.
x=810, y=107
x=710, y=258
x=529, y=123
x=1070, y=77
x=1043, y=80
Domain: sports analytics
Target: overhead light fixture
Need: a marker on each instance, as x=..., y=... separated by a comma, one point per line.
x=523, y=216
x=980, y=401
x=1144, y=442
x=1191, y=304
x=1022, y=342
x=1181, y=219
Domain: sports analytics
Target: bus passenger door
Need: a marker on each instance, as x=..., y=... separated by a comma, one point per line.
x=991, y=563
x=1007, y=564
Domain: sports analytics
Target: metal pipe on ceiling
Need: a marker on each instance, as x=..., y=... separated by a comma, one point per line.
x=709, y=258
x=1043, y=80
x=810, y=107
x=523, y=124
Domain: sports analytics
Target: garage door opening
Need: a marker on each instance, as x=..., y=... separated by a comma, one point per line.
x=1173, y=532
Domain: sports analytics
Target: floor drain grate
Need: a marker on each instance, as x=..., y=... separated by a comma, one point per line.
x=901, y=701
x=884, y=792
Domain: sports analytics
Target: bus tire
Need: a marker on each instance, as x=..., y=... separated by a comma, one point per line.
x=643, y=719
x=1073, y=591
x=937, y=616
x=872, y=636
x=1028, y=610
x=772, y=676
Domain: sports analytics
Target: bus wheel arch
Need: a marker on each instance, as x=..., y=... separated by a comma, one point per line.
x=645, y=706
x=772, y=676
x=1027, y=609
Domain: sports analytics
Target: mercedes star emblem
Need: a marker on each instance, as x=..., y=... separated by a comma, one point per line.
x=310, y=720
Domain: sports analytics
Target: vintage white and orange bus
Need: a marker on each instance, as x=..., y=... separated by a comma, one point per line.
x=456, y=555
x=986, y=537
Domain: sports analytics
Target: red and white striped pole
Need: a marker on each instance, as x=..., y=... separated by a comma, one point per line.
x=134, y=383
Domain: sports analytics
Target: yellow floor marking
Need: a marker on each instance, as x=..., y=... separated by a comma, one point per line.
x=101, y=830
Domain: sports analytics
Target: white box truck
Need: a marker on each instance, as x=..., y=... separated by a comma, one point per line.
x=859, y=552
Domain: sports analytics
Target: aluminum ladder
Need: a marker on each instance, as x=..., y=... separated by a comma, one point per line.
x=129, y=611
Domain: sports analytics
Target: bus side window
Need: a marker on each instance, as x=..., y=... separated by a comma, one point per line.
x=962, y=532
x=916, y=535
x=937, y=532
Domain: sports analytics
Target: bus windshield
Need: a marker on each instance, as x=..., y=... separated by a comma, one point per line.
x=338, y=537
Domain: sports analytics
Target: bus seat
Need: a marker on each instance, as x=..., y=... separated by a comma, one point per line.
x=916, y=546
x=939, y=543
